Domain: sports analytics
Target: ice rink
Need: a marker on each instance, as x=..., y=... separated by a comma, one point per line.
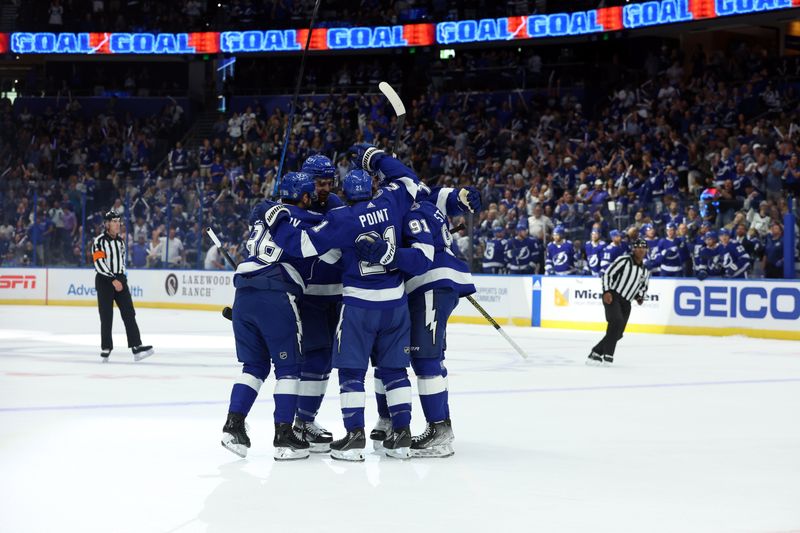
x=681, y=434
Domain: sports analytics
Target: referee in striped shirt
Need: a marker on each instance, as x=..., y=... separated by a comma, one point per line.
x=625, y=280
x=108, y=254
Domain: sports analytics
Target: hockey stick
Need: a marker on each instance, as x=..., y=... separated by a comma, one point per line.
x=494, y=323
x=399, y=110
x=290, y=120
x=227, y=312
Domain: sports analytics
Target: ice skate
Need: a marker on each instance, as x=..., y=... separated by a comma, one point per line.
x=104, y=355
x=608, y=359
x=380, y=432
x=234, y=435
x=287, y=446
x=141, y=352
x=350, y=447
x=318, y=438
x=435, y=441
x=398, y=444
x=594, y=359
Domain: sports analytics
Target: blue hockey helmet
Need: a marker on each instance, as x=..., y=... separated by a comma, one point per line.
x=646, y=228
x=706, y=225
x=671, y=225
x=614, y=233
x=725, y=231
x=498, y=230
x=559, y=230
x=319, y=167
x=294, y=185
x=357, y=185
x=522, y=224
x=710, y=235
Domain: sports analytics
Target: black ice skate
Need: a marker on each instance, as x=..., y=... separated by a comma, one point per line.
x=350, y=447
x=318, y=438
x=594, y=359
x=398, y=443
x=141, y=352
x=435, y=441
x=287, y=446
x=608, y=359
x=104, y=355
x=234, y=435
x=380, y=432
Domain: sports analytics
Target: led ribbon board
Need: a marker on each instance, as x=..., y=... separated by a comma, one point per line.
x=593, y=21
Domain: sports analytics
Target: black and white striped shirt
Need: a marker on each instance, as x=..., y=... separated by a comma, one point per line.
x=108, y=255
x=626, y=278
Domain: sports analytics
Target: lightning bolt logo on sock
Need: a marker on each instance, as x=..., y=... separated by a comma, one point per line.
x=430, y=315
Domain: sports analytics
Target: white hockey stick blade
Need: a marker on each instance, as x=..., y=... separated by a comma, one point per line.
x=512, y=343
x=213, y=237
x=394, y=98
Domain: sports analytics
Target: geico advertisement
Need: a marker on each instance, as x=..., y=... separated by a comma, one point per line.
x=682, y=302
x=503, y=297
x=23, y=283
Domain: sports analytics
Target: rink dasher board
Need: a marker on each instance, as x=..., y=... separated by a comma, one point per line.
x=750, y=307
x=755, y=308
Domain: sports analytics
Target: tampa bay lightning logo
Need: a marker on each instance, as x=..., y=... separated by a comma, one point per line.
x=560, y=259
x=594, y=261
x=523, y=254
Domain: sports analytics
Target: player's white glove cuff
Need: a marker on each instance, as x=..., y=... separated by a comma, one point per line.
x=388, y=257
x=274, y=214
x=369, y=153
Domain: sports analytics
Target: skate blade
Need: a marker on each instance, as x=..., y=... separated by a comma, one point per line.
x=398, y=453
x=354, y=455
x=319, y=447
x=441, y=451
x=143, y=355
x=377, y=445
x=593, y=362
x=290, y=454
x=238, y=449
x=104, y=359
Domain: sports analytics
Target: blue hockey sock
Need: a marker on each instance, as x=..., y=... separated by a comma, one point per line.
x=380, y=395
x=432, y=387
x=398, y=395
x=245, y=390
x=352, y=397
x=314, y=373
x=287, y=383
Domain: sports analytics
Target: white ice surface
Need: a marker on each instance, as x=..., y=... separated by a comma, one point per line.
x=682, y=434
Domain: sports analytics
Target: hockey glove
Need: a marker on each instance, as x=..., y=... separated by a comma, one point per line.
x=275, y=214
x=469, y=199
x=702, y=274
x=366, y=156
x=375, y=251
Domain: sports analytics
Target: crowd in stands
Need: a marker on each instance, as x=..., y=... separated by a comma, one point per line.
x=705, y=143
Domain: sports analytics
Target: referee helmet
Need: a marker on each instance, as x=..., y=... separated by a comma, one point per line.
x=111, y=215
x=639, y=243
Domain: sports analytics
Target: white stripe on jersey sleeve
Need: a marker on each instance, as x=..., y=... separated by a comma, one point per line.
x=374, y=295
x=427, y=249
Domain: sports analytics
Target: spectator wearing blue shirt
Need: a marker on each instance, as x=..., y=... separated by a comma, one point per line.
x=139, y=252
x=773, y=252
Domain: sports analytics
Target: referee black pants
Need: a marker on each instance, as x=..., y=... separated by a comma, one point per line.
x=617, y=314
x=106, y=296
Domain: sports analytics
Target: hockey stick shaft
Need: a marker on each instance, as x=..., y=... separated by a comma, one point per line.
x=293, y=109
x=494, y=323
x=222, y=250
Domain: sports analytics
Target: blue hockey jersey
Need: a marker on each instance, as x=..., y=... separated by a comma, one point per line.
x=363, y=284
x=594, y=255
x=652, y=258
x=560, y=259
x=672, y=255
x=610, y=253
x=494, y=256
x=447, y=270
x=523, y=255
x=710, y=260
x=332, y=203
x=735, y=260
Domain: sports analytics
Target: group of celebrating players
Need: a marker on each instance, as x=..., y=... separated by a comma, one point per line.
x=341, y=284
x=709, y=253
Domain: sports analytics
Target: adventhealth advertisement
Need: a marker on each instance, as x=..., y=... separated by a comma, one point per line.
x=506, y=298
x=755, y=308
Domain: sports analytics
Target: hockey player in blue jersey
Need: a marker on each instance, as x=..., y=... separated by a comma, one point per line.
x=594, y=252
x=700, y=240
x=614, y=249
x=651, y=261
x=523, y=252
x=266, y=324
x=735, y=259
x=322, y=170
x=374, y=312
x=672, y=253
x=709, y=260
x=560, y=260
x=494, y=256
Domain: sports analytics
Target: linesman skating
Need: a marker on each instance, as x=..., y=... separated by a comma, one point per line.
x=625, y=280
x=108, y=255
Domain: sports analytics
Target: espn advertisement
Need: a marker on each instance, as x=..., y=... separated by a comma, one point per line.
x=756, y=308
x=23, y=285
